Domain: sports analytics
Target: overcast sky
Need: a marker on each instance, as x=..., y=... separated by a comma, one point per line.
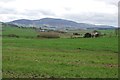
x=82, y=11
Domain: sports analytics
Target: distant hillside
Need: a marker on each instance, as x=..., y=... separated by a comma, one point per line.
x=57, y=23
x=102, y=27
x=11, y=25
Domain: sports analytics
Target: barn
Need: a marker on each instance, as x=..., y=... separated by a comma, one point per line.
x=87, y=35
x=93, y=34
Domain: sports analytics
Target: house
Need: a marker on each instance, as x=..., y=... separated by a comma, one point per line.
x=87, y=35
x=93, y=34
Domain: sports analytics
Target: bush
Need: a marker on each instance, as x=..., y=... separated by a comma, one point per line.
x=13, y=35
x=48, y=35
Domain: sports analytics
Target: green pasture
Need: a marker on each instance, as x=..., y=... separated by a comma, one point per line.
x=58, y=58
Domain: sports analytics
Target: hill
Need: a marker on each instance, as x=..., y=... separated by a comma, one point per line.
x=57, y=24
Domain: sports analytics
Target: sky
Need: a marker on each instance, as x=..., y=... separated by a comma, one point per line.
x=101, y=12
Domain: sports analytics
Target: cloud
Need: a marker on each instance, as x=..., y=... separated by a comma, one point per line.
x=42, y=12
x=46, y=12
x=93, y=18
x=7, y=11
x=37, y=13
x=92, y=11
x=112, y=2
x=6, y=1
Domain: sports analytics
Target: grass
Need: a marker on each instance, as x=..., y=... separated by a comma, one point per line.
x=22, y=32
x=58, y=58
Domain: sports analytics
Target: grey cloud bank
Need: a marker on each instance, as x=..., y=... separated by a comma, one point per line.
x=75, y=12
x=94, y=18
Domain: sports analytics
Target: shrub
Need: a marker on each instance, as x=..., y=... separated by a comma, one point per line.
x=48, y=35
x=13, y=35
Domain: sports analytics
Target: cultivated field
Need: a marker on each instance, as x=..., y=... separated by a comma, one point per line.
x=33, y=57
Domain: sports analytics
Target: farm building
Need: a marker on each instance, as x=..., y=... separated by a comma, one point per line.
x=93, y=34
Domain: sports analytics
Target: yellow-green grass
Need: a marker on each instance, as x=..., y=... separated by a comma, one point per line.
x=59, y=58
x=21, y=32
x=32, y=33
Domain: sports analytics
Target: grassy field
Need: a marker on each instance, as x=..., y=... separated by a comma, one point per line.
x=22, y=32
x=60, y=58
